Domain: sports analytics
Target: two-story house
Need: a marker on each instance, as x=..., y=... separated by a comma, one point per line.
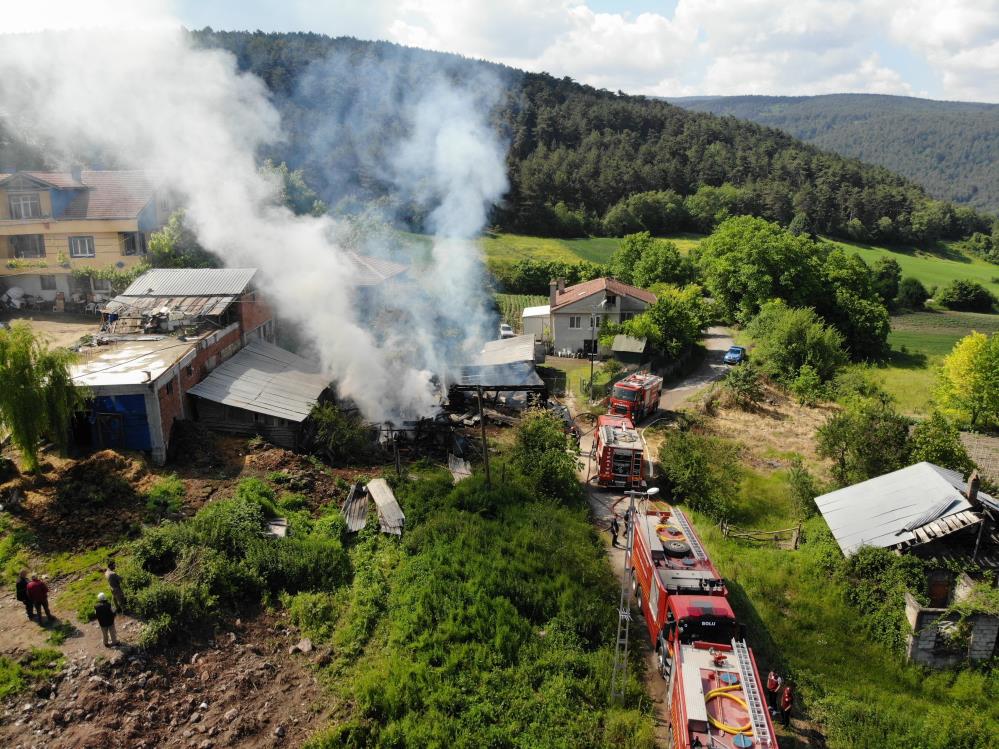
x=54, y=222
x=572, y=318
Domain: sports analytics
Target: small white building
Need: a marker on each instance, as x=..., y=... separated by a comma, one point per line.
x=574, y=314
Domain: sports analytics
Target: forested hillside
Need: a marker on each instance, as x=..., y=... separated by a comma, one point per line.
x=579, y=161
x=949, y=147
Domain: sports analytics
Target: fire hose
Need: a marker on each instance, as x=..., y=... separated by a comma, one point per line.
x=724, y=692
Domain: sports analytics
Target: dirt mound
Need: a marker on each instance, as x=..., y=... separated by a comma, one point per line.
x=243, y=690
x=86, y=503
x=296, y=473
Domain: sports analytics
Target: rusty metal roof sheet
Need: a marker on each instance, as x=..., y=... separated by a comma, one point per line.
x=190, y=305
x=355, y=508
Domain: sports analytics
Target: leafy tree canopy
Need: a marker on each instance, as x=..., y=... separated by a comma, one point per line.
x=968, y=386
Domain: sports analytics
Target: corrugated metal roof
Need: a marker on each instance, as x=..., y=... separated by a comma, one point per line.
x=876, y=512
x=186, y=282
x=389, y=512
x=542, y=310
x=265, y=379
x=520, y=348
x=517, y=374
x=371, y=271
x=190, y=305
x=628, y=344
x=355, y=508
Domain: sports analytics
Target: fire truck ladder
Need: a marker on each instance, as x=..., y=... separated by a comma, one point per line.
x=695, y=545
x=620, y=672
x=757, y=708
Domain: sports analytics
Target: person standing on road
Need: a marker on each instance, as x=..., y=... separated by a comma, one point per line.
x=114, y=582
x=22, y=593
x=615, y=528
x=786, y=702
x=105, y=619
x=38, y=594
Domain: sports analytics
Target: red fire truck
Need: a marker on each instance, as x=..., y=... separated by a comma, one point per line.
x=715, y=693
x=636, y=396
x=617, y=451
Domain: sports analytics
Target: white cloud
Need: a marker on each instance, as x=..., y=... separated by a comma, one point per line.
x=704, y=46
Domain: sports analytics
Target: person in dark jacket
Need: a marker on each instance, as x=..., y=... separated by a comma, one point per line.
x=38, y=594
x=786, y=702
x=773, y=691
x=615, y=528
x=22, y=593
x=105, y=619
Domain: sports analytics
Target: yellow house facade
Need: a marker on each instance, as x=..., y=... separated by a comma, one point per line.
x=52, y=223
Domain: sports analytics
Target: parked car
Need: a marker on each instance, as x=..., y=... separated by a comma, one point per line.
x=735, y=355
x=506, y=331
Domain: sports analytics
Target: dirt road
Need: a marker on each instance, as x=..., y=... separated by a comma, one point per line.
x=716, y=341
x=58, y=329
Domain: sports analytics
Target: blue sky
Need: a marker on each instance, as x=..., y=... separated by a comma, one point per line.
x=943, y=49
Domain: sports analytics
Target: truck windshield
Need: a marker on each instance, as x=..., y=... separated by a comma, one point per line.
x=707, y=629
x=625, y=394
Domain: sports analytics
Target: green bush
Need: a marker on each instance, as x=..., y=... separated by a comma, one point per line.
x=968, y=296
x=546, y=456
x=229, y=525
x=788, y=339
x=257, y=492
x=803, y=488
x=807, y=386
x=293, y=564
x=911, y=294
x=743, y=386
x=938, y=440
x=315, y=614
x=166, y=496
x=703, y=472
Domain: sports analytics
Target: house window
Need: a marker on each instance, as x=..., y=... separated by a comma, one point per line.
x=81, y=246
x=100, y=284
x=575, y=321
x=28, y=246
x=48, y=283
x=625, y=316
x=133, y=243
x=24, y=205
x=595, y=321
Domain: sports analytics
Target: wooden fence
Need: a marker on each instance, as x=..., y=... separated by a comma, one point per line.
x=785, y=538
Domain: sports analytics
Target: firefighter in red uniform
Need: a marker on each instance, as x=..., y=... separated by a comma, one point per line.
x=786, y=701
x=773, y=690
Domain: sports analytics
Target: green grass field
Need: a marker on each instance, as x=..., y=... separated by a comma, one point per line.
x=508, y=248
x=919, y=341
x=933, y=267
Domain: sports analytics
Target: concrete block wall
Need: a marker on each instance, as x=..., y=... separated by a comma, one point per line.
x=925, y=640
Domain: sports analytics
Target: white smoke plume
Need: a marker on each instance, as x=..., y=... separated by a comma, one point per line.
x=188, y=116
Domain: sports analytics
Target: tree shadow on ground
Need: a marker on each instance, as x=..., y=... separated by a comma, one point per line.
x=907, y=359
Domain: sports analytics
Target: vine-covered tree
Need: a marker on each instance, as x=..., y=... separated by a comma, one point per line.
x=37, y=395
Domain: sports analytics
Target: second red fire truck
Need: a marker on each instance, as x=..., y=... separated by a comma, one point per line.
x=636, y=396
x=618, y=453
x=715, y=693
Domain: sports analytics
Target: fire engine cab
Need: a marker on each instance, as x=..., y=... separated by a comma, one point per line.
x=617, y=449
x=636, y=396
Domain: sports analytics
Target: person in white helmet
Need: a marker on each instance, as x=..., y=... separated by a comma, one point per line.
x=105, y=618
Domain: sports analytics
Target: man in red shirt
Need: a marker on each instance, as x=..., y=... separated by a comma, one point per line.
x=786, y=701
x=38, y=594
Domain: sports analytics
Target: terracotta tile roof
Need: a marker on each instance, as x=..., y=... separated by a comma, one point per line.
x=101, y=194
x=586, y=289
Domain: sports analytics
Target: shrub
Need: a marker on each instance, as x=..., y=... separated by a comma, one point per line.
x=166, y=496
x=911, y=294
x=545, y=455
x=701, y=471
x=294, y=564
x=257, y=492
x=937, y=440
x=743, y=386
x=867, y=439
x=229, y=525
x=968, y=296
x=788, y=339
x=807, y=386
x=157, y=549
x=314, y=613
x=339, y=436
x=802, y=487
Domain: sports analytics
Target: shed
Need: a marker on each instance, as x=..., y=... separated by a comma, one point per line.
x=628, y=349
x=912, y=506
x=262, y=389
x=534, y=320
x=390, y=514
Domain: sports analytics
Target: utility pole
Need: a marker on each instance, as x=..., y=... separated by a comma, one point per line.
x=485, y=445
x=619, y=673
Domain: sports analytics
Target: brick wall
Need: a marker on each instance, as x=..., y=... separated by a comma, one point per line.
x=253, y=311
x=925, y=641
